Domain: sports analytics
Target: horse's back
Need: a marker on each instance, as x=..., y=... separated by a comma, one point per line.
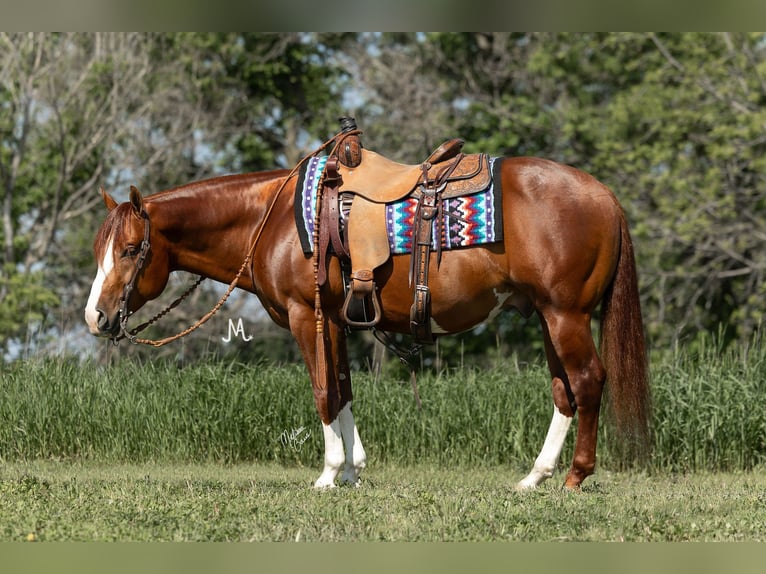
x=539, y=179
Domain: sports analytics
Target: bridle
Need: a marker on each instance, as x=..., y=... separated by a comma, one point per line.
x=130, y=285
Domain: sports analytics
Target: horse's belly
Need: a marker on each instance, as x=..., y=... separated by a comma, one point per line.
x=469, y=287
x=450, y=314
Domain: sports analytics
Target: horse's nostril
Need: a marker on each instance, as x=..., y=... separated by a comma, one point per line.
x=102, y=321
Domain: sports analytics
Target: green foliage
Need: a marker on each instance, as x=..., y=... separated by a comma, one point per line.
x=706, y=407
x=82, y=110
x=288, y=86
x=673, y=123
x=24, y=304
x=684, y=149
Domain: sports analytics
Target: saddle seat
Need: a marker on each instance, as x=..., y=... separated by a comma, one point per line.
x=380, y=180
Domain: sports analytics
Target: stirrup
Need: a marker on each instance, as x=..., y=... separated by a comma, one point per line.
x=352, y=299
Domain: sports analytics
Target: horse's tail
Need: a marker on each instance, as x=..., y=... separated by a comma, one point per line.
x=623, y=352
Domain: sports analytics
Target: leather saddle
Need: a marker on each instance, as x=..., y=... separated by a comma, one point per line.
x=378, y=179
x=374, y=181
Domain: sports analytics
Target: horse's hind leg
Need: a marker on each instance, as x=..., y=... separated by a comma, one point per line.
x=578, y=380
x=546, y=461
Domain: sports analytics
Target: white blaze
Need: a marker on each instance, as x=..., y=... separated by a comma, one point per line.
x=104, y=268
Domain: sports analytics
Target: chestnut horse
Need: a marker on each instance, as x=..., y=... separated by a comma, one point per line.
x=565, y=250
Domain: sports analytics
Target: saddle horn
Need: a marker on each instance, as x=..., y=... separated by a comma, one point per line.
x=350, y=147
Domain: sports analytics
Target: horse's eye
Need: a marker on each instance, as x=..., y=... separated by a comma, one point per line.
x=130, y=251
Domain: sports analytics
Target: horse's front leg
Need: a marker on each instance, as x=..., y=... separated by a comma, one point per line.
x=342, y=447
x=332, y=397
x=342, y=442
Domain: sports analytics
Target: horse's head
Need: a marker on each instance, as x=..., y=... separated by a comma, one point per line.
x=132, y=263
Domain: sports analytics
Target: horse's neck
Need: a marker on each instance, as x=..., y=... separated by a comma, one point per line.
x=211, y=229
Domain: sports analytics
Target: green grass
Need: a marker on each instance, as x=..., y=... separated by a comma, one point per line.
x=709, y=408
x=235, y=413
x=707, y=413
x=149, y=451
x=49, y=501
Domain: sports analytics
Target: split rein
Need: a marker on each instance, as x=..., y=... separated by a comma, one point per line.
x=131, y=334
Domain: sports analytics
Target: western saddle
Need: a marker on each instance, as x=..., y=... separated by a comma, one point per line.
x=360, y=239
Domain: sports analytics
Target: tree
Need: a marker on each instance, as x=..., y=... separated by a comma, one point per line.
x=49, y=157
x=687, y=147
x=78, y=110
x=280, y=96
x=673, y=123
x=399, y=101
x=285, y=92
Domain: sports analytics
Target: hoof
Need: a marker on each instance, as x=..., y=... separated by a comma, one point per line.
x=525, y=486
x=574, y=479
x=533, y=480
x=322, y=484
x=351, y=478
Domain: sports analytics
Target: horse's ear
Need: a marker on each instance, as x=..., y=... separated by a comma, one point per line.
x=108, y=200
x=136, y=200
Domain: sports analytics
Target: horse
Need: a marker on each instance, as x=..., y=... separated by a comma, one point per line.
x=566, y=253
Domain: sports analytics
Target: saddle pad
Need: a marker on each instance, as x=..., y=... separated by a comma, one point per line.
x=469, y=220
x=309, y=176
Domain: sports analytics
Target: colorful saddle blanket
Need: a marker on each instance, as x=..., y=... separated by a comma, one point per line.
x=469, y=220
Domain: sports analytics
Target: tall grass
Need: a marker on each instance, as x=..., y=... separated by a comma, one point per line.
x=140, y=411
x=710, y=408
x=235, y=412
x=708, y=413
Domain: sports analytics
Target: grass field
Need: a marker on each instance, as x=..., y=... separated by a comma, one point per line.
x=49, y=501
x=225, y=451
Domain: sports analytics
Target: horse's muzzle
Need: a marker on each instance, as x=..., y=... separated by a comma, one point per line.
x=104, y=326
